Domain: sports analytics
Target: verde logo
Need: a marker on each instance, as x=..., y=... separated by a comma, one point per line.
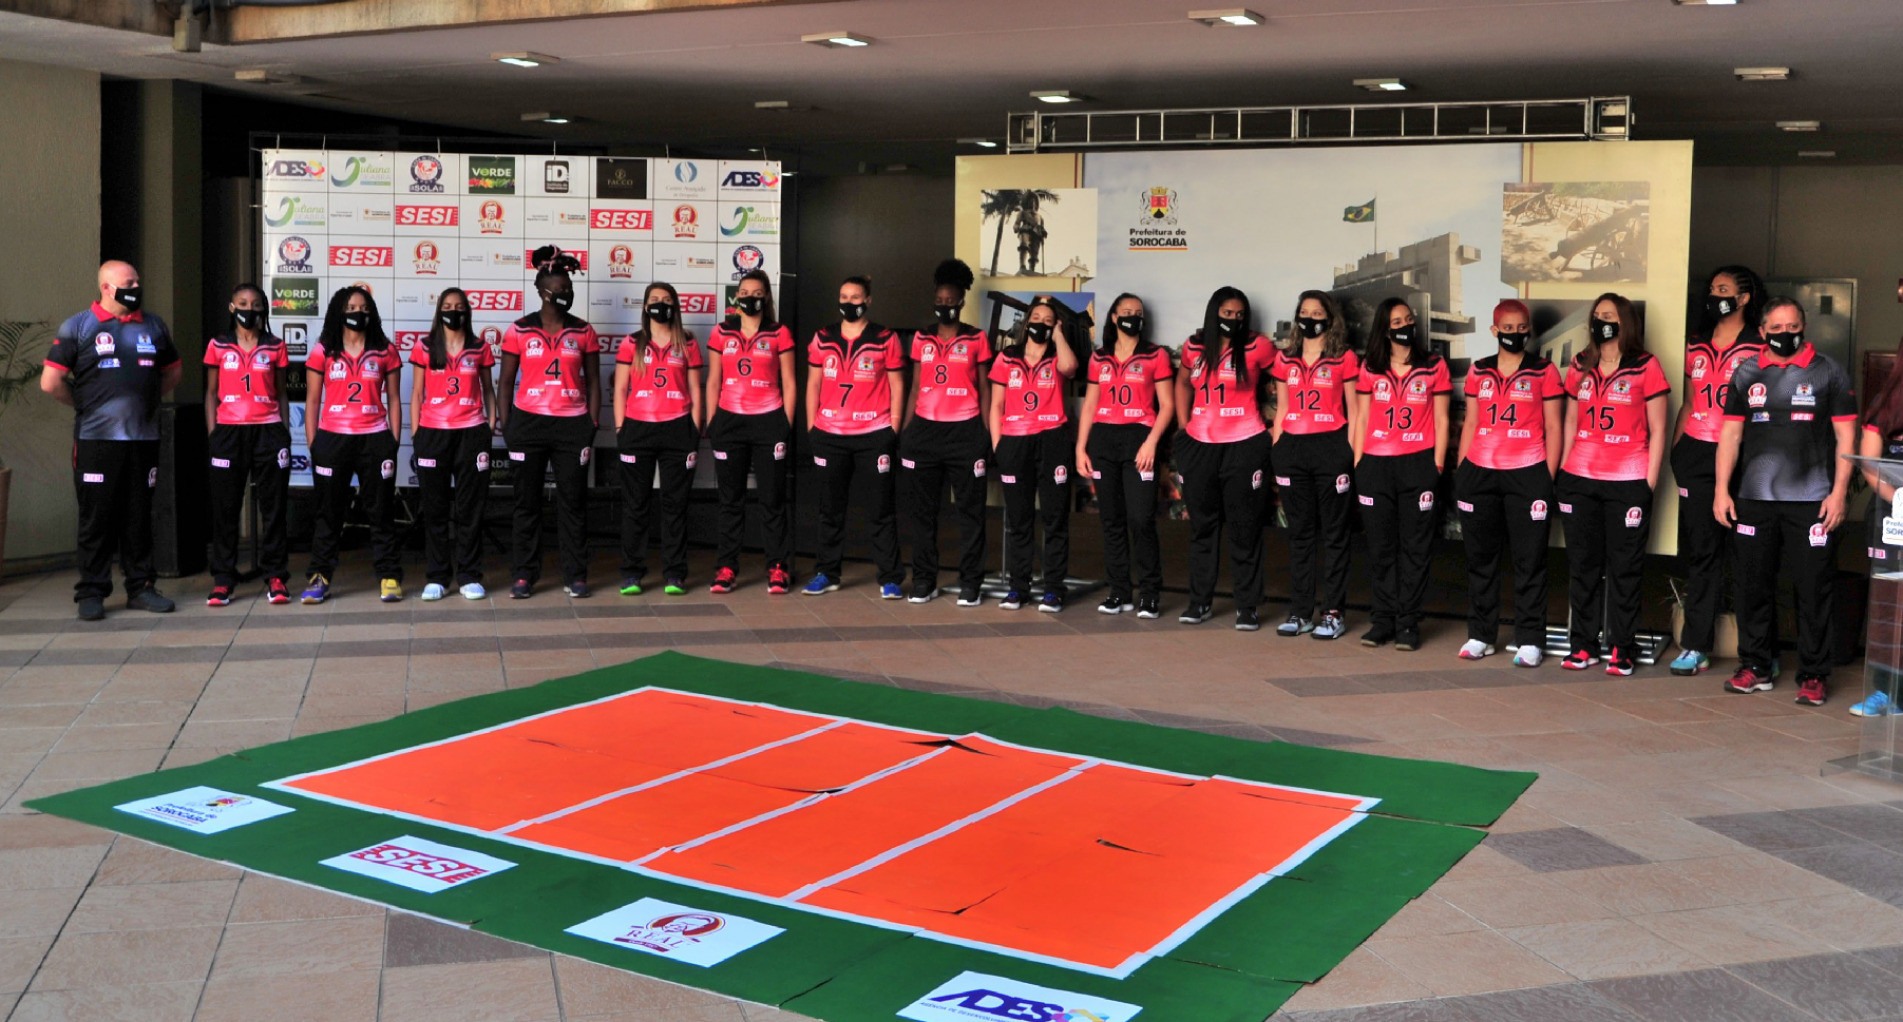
x=295, y=211
x=293, y=296
x=492, y=175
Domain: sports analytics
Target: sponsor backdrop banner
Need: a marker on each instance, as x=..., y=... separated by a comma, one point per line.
x=406, y=225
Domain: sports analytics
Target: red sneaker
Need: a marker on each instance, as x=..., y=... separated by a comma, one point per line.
x=1748, y=680
x=220, y=597
x=1812, y=690
x=778, y=581
x=723, y=582
x=1579, y=660
x=276, y=592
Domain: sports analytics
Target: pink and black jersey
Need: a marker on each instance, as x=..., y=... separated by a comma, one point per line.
x=855, y=395
x=352, y=397
x=1708, y=373
x=1318, y=392
x=1126, y=390
x=551, y=382
x=1613, y=434
x=247, y=380
x=750, y=368
x=1223, y=403
x=1510, y=411
x=659, y=393
x=1789, y=410
x=452, y=395
x=948, y=374
x=1401, y=407
x=1033, y=392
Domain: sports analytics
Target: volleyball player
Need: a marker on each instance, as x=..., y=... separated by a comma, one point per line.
x=855, y=398
x=245, y=416
x=353, y=382
x=657, y=409
x=452, y=428
x=1031, y=431
x=1129, y=405
x=1315, y=374
x=1882, y=437
x=750, y=391
x=946, y=438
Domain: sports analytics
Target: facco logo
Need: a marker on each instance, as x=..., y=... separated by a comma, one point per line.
x=621, y=219
x=428, y=216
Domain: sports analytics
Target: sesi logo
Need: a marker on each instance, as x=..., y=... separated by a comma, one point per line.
x=621, y=219
x=362, y=255
x=427, y=216
x=407, y=339
x=495, y=301
x=703, y=304
x=446, y=870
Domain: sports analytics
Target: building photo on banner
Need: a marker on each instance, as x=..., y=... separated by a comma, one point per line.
x=1451, y=228
x=406, y=225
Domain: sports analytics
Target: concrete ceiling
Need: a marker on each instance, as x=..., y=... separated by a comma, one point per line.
x=942, y=70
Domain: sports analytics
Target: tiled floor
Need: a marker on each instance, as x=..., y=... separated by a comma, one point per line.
x=1681, y=857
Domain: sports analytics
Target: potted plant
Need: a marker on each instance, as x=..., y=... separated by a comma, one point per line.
x=22, y=347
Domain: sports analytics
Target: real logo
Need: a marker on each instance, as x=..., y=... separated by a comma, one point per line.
x=489, y=217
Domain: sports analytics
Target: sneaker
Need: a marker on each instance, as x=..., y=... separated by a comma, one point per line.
x=1194, y=614
x=1052, y=603
x=1377, y=636
x=1407, y=640
x=1295, y=625
x=1474, y=649
x=433, y=592
x=1528, y=655
x=1247, y=620
x=630, y=587
x=1876, y=704
x=1689, y=663
x=1149, y=608
x=220, y=597
x=1578, y=660
x=1748, y=680
x=1012, y=600
x=891, y=591
x=1618, y=663
x=522, y=589
x=92, y=608
x=971, y=598
x=473, y=591
x=778, y=581
x=1330, y=626
x=1116, y=604
x=316, y=590
x=152, y=600
x=722, y=583
x=924, y=592
x=819, y=583
x=577, y=590
x=1812, y=689
x=390, y=590
x=678, y=587
x=276, y=593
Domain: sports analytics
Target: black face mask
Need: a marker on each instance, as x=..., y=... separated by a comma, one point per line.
x=852, y=312
x=248, y=318
x=1039, y=332
x=561, y=299
x=750, y=305
x=1784, y=345
x=661, y=312
x=1402, y=335
x=455, y=319
x=129, y=297
x=1514, y=343
x=1720, y=306
x=1310, y=326
x=1229, y=327
x=1132, y=325
x=947, y=314
x=358, y=321
x=1604, y=330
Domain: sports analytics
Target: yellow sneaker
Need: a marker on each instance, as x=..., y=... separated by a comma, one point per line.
x=390, y=591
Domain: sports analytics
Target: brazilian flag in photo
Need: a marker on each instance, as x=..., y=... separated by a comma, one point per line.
x=1362, y=214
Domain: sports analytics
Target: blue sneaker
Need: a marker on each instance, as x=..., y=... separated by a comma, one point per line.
x=1012, y=600
x=1052, y=603
x=891, y=591
x=317, y=591
x=820, y=583
x=1876, y=704
x=1691, y=662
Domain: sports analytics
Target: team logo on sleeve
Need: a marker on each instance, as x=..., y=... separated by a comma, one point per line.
x=1757, y=395
x=1383, y=391
x=1537, y=511
x=1700, y=366
x=1294, y=376
x=1634, y=517
x=489, y=217
x=1585, y=390
x=104, y=343
x=1486, y=390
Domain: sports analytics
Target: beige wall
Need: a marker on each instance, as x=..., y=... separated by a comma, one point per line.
x=50, y=160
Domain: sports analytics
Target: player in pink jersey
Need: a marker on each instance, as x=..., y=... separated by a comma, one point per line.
x=946, y=439
x=1030, y=429
x=1615, y=440
x=1400, y=450
x=657, y=406
x=1315, y=374
x=1129, y=404
x=452, y=430
x=1223, y=453
x=245, y=416
x=551, y=368
x=855, y=398
x=1727, y=338
x=1503, y=483
x=353, y=382
x=750, y=396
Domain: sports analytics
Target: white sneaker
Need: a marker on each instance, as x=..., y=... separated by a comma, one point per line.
x=474, y=591
x=1528, y=655
x=433, y=592
x=1474, y=649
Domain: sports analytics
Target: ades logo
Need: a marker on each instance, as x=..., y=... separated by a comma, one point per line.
x=746, y=259
x=294, y=255
x=426, y=174
x=764, y=180
x=428, y=258
x=686, y=222
x=294, y=170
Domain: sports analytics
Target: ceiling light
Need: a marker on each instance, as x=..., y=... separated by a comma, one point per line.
x=1817, y=154
x=525, y=59
x=1800, y=125
x=264, y=76
x=772, y=104
x=1706, y=3
x=984, y=142
x=1762, y=74
x=547, y=118
x=836, y=40
x=1057, y=96
x=1381, y=84
x=1237, y=16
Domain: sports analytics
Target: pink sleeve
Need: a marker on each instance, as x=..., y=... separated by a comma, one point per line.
x=692, y=351
x=998, y=373
x=212, y=357
x=1443, y=380
x=1654, y=380
x=1364, y=381
x=1554, y=388
x=512, y=341
x=591, y=342
x=624, y=350
x=894, y=354
x=783, y=341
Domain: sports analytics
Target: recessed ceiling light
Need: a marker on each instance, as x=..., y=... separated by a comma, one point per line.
x=771, y=104
x=1057, y=96
x=1762, y=74
x=836, y=40
x=1237, y=16
x=1817, y=154
x=1800, y=125
x=547, y=117
x=1381, y=84
x=1706, y=3
x=525, y=59
x=984, y=142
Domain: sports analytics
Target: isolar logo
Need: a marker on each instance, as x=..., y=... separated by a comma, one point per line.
x=416, y=863
x=974, y=995
x=621, y=263
x=426, y=174
x=428, y=216
x=427, y=258
x=686, y=222
x=746, y=259
x=621, y=219
x=489, y=217
x=492, y=175
x=294, y=255
x=495, y=301
x=362, y=255
x=698, y=303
